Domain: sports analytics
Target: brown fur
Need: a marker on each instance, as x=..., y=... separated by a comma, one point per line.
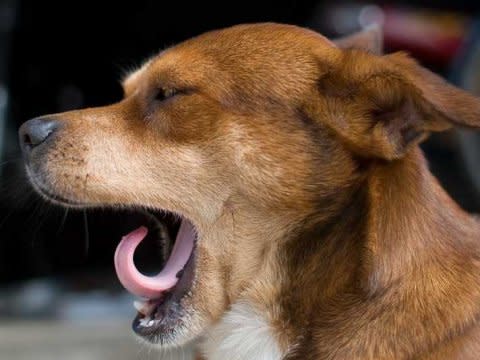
x=298, y=161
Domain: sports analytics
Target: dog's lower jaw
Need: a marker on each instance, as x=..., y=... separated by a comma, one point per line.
x=241, y=290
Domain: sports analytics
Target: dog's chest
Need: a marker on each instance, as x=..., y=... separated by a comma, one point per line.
x=242, y=334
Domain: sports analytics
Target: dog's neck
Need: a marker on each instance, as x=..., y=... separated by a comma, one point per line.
x=412, y=222
x=394, y=241
x=399, y=243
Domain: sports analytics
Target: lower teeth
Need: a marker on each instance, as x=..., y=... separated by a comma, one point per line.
x=144, y=308
x=147, y=322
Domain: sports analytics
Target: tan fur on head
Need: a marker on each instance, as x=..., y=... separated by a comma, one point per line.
x=320, y=225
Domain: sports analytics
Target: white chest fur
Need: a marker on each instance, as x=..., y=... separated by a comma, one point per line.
x=242, y=334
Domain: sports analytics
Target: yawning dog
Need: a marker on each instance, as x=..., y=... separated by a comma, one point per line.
x=307, y=223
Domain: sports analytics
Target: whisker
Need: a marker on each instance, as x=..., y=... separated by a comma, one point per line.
x=62, y=222
x=9, y=161
x=40, y=214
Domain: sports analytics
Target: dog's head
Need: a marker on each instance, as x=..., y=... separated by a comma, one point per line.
x=245, y=134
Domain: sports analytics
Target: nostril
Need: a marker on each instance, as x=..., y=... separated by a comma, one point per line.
x=36, y=131
x=27, y=140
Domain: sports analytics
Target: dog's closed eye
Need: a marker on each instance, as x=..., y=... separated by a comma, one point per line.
x=166, y=93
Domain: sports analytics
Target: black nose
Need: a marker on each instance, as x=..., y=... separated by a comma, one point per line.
x=36, y=131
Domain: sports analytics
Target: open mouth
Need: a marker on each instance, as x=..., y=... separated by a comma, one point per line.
x=160, y=296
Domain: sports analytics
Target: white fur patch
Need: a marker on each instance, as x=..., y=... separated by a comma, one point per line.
x=242, y=334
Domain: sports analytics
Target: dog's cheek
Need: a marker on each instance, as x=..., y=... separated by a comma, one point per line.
x=272, y=164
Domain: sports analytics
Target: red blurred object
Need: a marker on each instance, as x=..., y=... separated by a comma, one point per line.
x=430, y=35
x=434, y=36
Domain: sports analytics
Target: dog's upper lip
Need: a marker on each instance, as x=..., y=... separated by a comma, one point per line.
x=55, y=198
x=153, y=287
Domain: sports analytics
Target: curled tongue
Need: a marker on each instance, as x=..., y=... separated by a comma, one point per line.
x=152, y=287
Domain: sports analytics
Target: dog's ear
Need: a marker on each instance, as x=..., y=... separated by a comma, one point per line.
x=369, y=39
x=383, y=105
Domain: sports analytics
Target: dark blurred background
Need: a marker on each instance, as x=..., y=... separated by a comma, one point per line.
x=56, y=266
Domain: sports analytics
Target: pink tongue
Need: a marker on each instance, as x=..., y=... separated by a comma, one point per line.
x=146, y=286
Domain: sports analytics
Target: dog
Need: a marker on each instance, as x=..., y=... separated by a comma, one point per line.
x=308, y=223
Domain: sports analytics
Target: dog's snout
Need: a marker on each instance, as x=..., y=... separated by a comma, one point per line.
x=34, y=132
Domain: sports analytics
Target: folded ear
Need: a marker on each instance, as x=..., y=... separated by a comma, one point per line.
x=383, y=105
x=369, y=39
